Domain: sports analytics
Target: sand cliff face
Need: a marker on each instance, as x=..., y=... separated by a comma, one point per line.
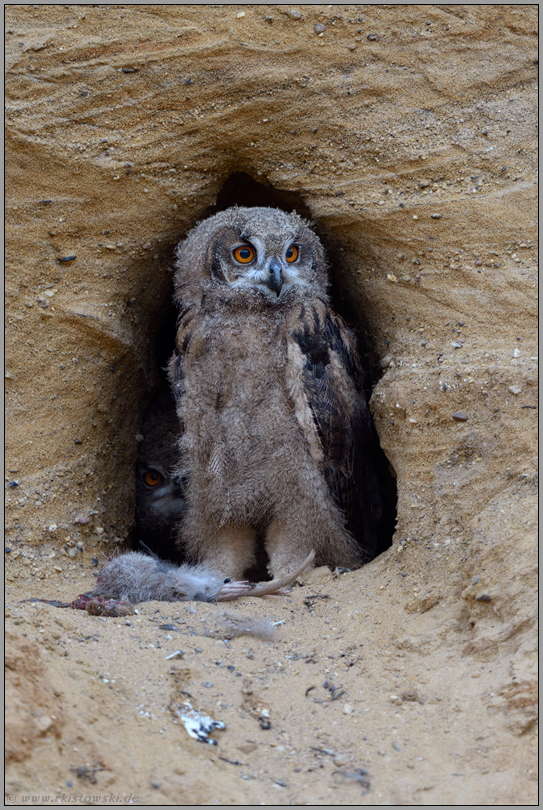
x=408, y=135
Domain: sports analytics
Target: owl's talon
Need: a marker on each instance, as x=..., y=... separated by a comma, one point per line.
x=231, y=590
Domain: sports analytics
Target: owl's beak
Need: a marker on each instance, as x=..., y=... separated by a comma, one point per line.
x=275, y=277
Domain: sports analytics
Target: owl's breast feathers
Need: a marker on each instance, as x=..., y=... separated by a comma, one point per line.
x=324, y=383
x=327, y=389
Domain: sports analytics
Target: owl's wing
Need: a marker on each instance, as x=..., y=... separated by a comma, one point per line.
x=175, y=366
x=333, y=389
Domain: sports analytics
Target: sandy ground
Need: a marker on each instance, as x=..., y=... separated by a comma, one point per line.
x=408, y=134
x=366, y=702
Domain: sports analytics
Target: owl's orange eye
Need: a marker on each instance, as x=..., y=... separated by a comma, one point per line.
x=152, y=478
x=292, y=253
x=244, y=254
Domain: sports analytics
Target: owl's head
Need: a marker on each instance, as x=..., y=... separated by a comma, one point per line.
x=264, y=254
x=160, y=488
x=160, y=494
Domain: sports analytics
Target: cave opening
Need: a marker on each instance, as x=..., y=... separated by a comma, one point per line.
x=157, y=451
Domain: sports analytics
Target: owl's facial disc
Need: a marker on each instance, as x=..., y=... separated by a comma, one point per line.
x=272, y=265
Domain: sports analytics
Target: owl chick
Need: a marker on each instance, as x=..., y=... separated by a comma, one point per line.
x=160, y=492
x=278, y=438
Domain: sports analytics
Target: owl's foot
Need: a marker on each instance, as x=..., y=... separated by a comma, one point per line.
x=231, y=590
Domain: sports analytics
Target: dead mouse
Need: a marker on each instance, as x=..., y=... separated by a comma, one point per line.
x=140, y=578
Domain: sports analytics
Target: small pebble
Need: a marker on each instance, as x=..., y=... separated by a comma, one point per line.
x=240, y=15
x=515, y=389
x=130, y=70
x=66, y=258
x=320, y=28
x=392, y=278
x=176, y=654
x=294, y=14
x=460, y=416
x=436, y=216
x=373, y=37
x=348, y=709
x=484, y=597
x=386, y=361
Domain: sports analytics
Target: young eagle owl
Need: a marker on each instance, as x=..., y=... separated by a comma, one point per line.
x=276, y=432
x=160, y=493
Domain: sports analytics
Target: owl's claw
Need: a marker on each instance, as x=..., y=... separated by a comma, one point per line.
x=231, y=590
